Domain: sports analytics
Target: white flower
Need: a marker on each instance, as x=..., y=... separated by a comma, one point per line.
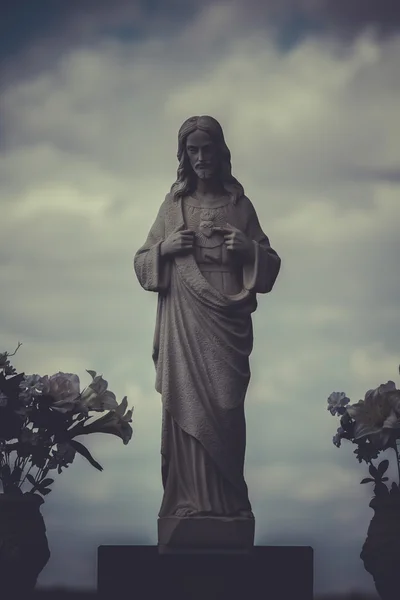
x=31, y=385
x=64, y=388
x=337, y=400
x=393, y=397
x=96, y=396
x=377, y=416
x=115, y=422
x=381, y=391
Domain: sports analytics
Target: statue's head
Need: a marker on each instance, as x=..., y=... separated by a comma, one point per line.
x=203, y=153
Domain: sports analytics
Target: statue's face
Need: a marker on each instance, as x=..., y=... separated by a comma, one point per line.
x=202, y=154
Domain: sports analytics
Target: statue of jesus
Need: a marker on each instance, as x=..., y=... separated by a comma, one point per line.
x=207, y=258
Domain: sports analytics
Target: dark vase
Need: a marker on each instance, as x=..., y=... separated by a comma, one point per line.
x=24, y=551
x=381, y=550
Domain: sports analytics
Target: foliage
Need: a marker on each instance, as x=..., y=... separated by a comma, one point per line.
x=373, y=424
x=40, y=417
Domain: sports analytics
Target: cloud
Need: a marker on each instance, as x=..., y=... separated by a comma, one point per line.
x=79, y=21
x=369, y=363
x=355, y=15
x=88, y=156
x=343, y=19
x=35, y=40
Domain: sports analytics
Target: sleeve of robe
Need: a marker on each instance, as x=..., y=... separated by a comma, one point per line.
x=152, y=271
x=259, y=275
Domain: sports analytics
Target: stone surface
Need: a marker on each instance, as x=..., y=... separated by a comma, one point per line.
x=267, y=572
x=207, y=258
x=185, y=534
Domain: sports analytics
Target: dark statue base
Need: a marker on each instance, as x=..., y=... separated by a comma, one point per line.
x=266, y=572
x=205, y=534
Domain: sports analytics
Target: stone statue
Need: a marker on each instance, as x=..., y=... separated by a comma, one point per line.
x=207, y=257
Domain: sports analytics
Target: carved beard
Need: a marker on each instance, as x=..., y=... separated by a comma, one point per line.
x=206, y=173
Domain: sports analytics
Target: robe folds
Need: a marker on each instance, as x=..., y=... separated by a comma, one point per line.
x=202, y=343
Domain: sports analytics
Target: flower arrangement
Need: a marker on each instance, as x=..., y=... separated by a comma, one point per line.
x=373, y=424
x=40, y=419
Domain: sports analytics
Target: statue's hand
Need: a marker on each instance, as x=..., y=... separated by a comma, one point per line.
x=180, y=242
x=236, y=241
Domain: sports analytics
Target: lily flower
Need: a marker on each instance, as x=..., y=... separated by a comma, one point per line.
x=96, y=396
x=115, y=422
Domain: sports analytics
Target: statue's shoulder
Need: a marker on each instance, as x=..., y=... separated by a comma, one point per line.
x=171, y=211
x=245, y=205
x=169, y=201
x=166, y=204
x=244, y=201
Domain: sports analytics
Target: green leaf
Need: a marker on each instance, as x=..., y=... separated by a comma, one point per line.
x=16, y=475
x=5, y=472
x=45, y=491
x=373, y=471
x=367, y=480
x=383, y=466
x=91, y=373
x=45, y=482
x=121, y=408
x=31, y=479
x=83, y=451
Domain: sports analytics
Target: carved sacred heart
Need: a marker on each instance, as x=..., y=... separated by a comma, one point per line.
x=206, y=228
x=207, y=217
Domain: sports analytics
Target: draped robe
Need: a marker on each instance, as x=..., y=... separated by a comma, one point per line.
x=202, y=343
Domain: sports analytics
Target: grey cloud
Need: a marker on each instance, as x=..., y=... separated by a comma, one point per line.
x=341, y=18
x=352, y=16
x=385, y=175
x=59, y=27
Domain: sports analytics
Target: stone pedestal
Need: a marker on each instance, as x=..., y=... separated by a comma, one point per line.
x=205, y=534
x=264, y=573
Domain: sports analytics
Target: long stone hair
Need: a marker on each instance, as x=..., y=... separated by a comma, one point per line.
x=185, y=180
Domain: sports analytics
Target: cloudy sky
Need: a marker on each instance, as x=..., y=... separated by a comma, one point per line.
x=307, y=94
